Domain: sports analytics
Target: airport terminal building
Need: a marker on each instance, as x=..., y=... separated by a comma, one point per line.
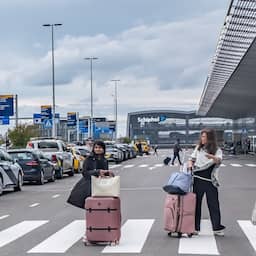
x=163, y=127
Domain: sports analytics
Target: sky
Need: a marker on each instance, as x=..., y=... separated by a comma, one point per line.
x=159, y=50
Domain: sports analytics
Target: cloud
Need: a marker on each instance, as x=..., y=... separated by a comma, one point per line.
x=160, y=65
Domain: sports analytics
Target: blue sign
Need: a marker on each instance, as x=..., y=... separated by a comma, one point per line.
x=37, y=118
x=48, y=123
x=6, y=105
x=4, y=120
x=71, y=119
x=46, y=112
x=162, y=118
x=83, y=129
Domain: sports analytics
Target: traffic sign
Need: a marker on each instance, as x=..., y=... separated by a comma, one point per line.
x=48, y=123
x=6, y=105
x=4, y=120
x=71, y=119
x=37, y=118
x=46, y=112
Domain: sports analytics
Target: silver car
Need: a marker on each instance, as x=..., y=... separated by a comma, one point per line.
x=11, y=174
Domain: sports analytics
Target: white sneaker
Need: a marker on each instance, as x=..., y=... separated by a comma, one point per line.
x=219, y=232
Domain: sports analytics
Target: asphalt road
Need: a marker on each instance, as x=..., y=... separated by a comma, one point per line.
x=38, y=221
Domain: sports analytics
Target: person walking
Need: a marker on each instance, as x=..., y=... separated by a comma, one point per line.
x=204, y=161
x=176, y=152
x=95, y=165
x=155, y=150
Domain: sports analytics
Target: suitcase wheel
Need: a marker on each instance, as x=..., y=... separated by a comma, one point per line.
x=114, y=243
x=190, y=235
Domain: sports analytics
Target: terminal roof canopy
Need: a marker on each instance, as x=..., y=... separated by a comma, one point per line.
x=230, y=89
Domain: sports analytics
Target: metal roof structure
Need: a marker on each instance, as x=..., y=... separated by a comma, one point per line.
x=230, y=90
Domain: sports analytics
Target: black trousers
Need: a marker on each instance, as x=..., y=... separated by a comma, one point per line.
x=174, y=157
x=200, y=188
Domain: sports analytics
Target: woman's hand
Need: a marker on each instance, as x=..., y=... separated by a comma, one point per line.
x=103, y=173
x=213, y=157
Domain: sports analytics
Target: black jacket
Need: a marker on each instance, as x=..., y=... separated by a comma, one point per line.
x=92, y=166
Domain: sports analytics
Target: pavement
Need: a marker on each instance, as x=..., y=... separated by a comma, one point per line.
x=38, y=221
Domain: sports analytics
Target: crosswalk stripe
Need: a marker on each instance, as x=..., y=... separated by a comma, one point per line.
x=236, y=165
x=128, y=166
x=205, y=243
x=251, y=165
x=55, y=196
x=143, y=165
x=222, y=165
x=114, y=166
x=249, y=230
x=134, y=235
x=34, y=205
x=4, y=217
x=10, y=234
x=62, y=240
x=159, y=165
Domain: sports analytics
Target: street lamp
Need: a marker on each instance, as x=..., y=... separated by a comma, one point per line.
x=91, y=117
x=115, y=80
x=53, y=80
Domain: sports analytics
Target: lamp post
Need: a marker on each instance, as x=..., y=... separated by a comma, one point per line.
x=115, y=80
x=91, y=117
x=53, y=79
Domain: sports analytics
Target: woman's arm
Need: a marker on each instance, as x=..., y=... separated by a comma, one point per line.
x=217, y=158
x=89, y=168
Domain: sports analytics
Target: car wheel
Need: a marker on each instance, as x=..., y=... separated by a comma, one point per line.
x=1, y=186
x=71, y=173
x=59, y=174
x=41, y=178
x=52, y=179
x=20, y=183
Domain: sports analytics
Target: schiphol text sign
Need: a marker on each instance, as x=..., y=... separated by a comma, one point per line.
x=71, y=119
x=6, y=105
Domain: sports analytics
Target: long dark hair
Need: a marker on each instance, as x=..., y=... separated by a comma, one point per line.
x=211, y=145
x=101, y=144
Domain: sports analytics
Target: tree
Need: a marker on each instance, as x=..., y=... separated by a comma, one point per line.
x=21, y=134
x=125, y=140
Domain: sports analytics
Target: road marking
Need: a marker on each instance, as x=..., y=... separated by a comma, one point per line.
x=236, y=165
x=62, y=240
x=222, y=165
x=159, y=165
x=134, y=235
x=251, y=165
x=114, y=166
x=205, y=243
x=55, y=196
x=10, y=234
x=34, y=205
x=250, y=231
x=151, y=168
x=128, y=166
x=4, y=217
x=143, y=165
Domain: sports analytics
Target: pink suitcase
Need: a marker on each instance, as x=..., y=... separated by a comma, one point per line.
x=103, y=220
x=179, y=214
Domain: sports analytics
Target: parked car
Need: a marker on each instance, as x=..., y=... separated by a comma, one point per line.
x=11, y=174
x=35, y=165
x=57, y=152
x=84, y=151
x=78, y=159
x=113, y=154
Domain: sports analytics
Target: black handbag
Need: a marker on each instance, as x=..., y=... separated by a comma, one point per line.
x=79, y=193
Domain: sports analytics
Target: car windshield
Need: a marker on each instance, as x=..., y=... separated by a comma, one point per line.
x=23, y=156
x=48, y=145
x=84, y=152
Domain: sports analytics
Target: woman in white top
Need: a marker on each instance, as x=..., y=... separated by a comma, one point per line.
x=205, y=161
